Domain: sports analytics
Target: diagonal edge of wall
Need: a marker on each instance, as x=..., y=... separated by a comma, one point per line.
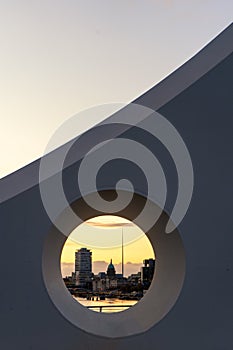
x=183, y=77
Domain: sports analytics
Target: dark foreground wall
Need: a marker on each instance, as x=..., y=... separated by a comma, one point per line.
x=197, y=100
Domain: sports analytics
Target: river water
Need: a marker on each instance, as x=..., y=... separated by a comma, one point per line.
x=113, y=305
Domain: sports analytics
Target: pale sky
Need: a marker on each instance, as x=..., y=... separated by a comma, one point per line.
x=59, y=57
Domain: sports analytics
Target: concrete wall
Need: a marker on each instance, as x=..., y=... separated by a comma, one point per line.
x=197, y=100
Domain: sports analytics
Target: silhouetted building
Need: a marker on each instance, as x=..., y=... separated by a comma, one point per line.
x=134, y=279
x=102, y=275
x=108, y=281
x=99, y=282
x=111, y=272
x=83, y=267
x=147, y=272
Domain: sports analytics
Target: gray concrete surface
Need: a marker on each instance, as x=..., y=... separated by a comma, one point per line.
x=197, y=99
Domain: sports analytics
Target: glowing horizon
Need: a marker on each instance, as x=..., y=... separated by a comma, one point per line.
x=108, y=227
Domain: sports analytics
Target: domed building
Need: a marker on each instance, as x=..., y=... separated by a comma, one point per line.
x=111, y=272
x=109, y=281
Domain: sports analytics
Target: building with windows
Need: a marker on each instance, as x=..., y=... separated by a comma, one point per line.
x=99, y=282
x=134, y=279
x=83, y=267
x=108, y=281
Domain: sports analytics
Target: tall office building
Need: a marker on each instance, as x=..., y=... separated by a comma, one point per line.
x=147, y=272
x=83, y=267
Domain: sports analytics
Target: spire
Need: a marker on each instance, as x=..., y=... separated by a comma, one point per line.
x=122, y=253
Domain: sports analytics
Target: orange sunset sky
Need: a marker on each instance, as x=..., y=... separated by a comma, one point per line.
x=103, y=236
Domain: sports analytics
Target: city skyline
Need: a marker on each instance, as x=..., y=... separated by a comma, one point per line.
x=86, y=285
x=136, y=248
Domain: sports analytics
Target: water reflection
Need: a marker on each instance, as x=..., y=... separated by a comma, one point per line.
x=112, y=304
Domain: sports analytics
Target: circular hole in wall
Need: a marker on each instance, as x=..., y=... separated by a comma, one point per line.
x=159, y=299
x=107, y=264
